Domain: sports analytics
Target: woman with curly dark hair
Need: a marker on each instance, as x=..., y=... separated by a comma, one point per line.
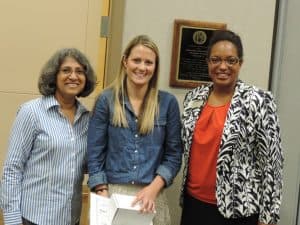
x=44, y=168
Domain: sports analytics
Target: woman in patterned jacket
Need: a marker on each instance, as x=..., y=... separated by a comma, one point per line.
x=232, y=145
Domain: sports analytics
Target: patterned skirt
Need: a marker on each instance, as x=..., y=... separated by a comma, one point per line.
x=162, y=216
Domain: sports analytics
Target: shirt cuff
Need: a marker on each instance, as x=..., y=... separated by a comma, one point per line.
x=12, y=218
x=165, y=174
x=96, y=179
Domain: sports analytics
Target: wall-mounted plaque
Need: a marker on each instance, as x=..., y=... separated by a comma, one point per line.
x=190, y=43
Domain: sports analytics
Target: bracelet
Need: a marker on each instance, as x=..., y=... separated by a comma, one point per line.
x=101, y=189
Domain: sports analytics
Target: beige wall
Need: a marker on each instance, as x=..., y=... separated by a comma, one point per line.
x=253, y=20
x=30, y=32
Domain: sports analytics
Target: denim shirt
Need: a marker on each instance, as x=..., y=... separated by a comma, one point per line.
x=120, y=155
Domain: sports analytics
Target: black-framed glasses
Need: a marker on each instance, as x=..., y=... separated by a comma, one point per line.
x=68, y=71
x=230, y=61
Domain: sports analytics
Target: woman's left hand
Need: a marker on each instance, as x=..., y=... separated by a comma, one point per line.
x=146, y=197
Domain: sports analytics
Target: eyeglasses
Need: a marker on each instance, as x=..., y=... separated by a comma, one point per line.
x=230, y=61
x=68, y=71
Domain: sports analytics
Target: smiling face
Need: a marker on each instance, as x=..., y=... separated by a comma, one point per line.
x=70, y=79
x=140, y=66
x=224, y=74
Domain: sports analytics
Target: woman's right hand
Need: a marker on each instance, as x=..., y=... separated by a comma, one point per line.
x=103, y=193
x=102, y=190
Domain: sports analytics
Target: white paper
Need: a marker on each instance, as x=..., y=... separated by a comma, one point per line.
x=124, y=201
x=117, y=210
x=101, y=210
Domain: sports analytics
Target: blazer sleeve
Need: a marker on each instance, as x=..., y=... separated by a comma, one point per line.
x=271, y=161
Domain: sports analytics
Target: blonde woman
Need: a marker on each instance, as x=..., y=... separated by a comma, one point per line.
x=134, y=144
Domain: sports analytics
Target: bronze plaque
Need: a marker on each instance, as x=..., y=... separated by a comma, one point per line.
x=190, y=43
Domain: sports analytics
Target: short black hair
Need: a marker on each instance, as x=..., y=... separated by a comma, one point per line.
x=48, y=74
x=226, y=35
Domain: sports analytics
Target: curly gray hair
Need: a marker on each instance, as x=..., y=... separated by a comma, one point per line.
x=48, y=74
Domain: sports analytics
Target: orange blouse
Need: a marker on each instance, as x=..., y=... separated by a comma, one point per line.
x=208, y=131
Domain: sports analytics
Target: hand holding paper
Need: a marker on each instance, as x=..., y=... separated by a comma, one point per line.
x=146, y=197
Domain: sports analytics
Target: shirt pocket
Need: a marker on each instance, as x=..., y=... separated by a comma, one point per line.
x=159, y=132
x=119, y=160
x=118, y=138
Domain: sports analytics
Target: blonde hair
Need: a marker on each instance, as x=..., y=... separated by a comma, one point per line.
x=150, y=106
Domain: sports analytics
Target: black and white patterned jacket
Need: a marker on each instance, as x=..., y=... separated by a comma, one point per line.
x=250, y=160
